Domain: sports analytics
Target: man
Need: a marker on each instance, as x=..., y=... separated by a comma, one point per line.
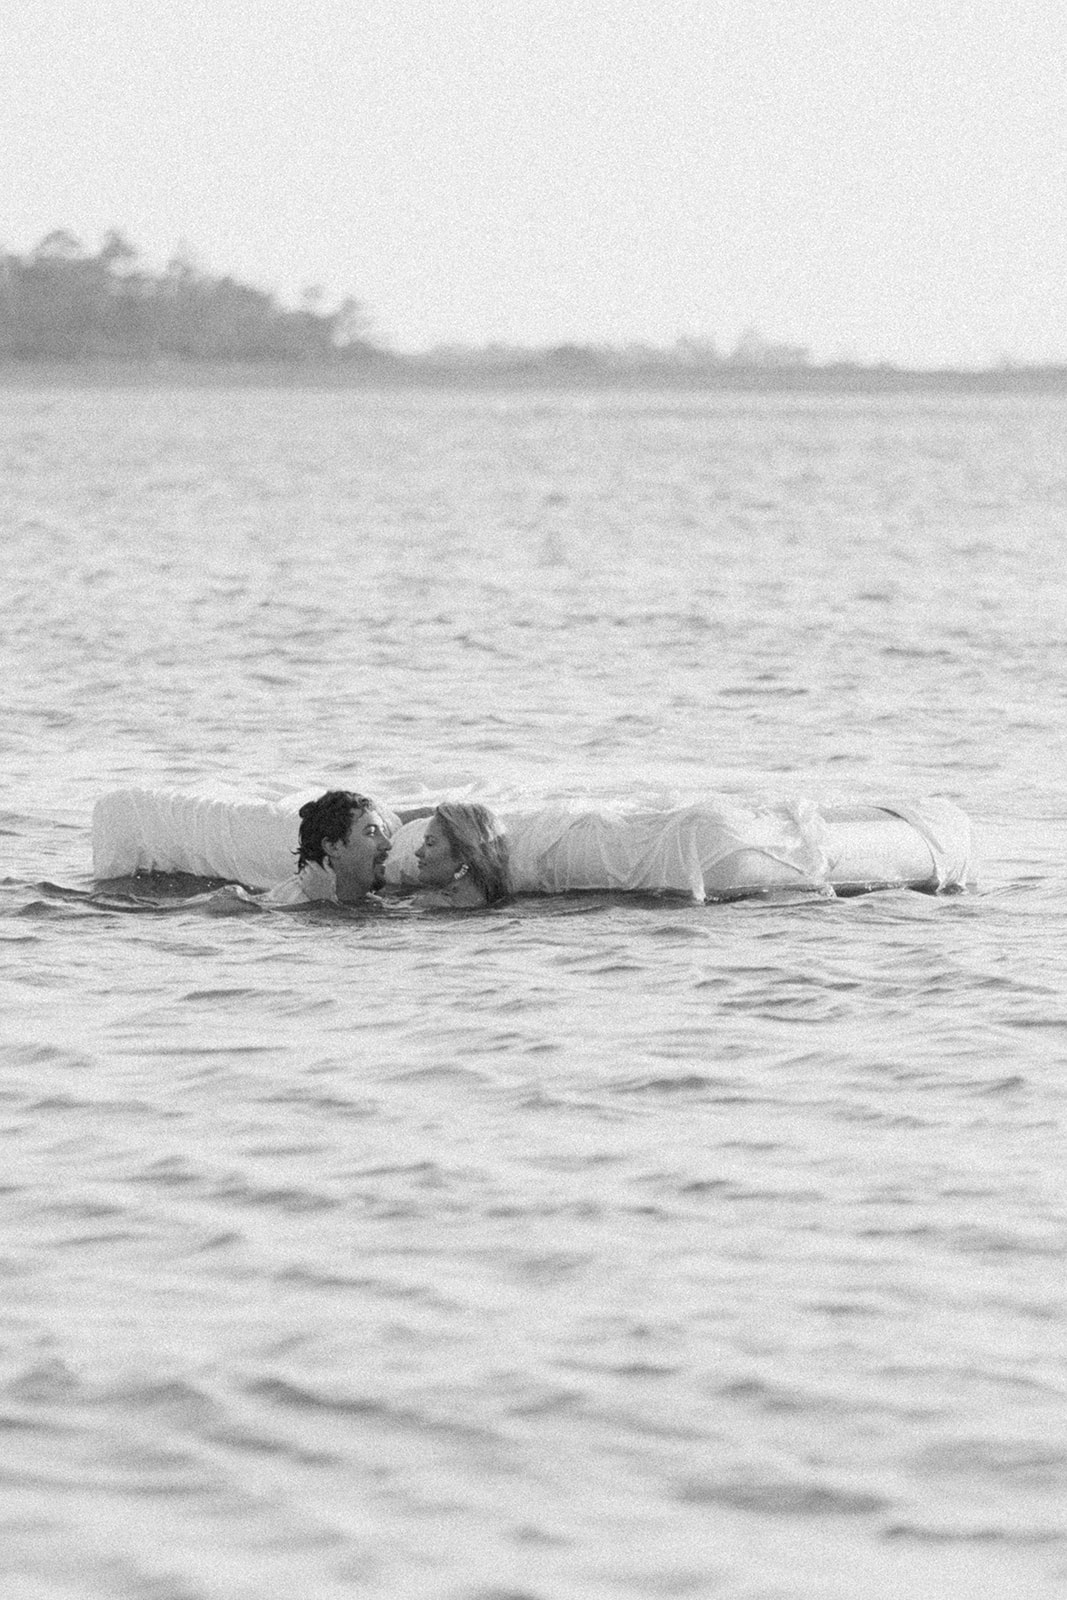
x=344, y=840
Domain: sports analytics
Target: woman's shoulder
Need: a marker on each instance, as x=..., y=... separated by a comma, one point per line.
x=463, y=896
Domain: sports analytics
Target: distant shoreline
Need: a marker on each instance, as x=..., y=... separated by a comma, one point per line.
x=393, y=372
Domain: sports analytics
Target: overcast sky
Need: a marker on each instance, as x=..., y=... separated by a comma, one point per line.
x=875, y=178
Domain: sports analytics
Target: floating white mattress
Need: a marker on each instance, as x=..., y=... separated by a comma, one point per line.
x=714, y=848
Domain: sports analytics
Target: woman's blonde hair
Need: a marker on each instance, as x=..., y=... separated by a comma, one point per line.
x=478, y=843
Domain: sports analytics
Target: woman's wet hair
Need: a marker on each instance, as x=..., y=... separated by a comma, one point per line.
x=328, y=817
x=480, y=844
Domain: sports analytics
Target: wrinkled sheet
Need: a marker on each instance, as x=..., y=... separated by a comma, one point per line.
x=653, y=850
x=947, y=831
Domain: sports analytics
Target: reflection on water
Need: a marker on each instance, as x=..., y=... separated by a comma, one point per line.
x=597, y=1245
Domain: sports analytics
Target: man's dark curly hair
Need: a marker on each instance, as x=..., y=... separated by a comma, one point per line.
x=328, y=817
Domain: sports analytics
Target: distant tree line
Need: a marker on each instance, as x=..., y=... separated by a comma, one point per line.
x=60, y=303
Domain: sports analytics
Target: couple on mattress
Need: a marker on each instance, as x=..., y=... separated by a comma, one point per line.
x=345, y=840
x=460, y=856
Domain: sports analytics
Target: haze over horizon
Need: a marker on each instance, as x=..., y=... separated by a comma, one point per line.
x=884, y=184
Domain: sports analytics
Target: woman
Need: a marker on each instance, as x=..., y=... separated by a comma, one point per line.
x=344, y=840
x=463, y=859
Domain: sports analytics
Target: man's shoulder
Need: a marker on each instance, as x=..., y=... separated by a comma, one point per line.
x=312, y=882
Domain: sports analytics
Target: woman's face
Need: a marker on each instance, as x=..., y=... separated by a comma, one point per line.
x=438, y=864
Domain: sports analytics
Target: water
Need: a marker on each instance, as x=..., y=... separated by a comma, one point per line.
x=594, y=1247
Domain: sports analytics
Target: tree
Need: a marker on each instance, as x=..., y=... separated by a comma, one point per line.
x=60, y=245
x=60, y=303
x=349, y=324
x=116, y=250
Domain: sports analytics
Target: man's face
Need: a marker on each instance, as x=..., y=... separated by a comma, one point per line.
x=359, y=860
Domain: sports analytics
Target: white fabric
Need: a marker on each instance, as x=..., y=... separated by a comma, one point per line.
x=682, y=849
x=400, y=864
x=312, y=882
x=947, y=832
x=716, y=846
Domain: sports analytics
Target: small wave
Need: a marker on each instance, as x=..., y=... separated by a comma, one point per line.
x=681, y=1083
x=768, y=1397
x=147, y=887
x=986, y=1535
x=509, y=1594
x=430, y=1172
x=310, y=1279
x=10, y=1423
x=973, y=1240
x=783, y=1499
x=175, y=1398
x=293, y=1200
x=168, y=1172
x=47, y=911
x=439, y=1072
x=164, y=1474
x=215, y=1241
x=1036, y=1466
x=197, y=1052
x=68, y=1102
x=678, y=933
x=79, y=1241
x=39, y=1054
x=59, y=891
x=292, y=1396
x=91, y=1209
x=334, y=1105
x=49, y=1382
x=237, y=1437
x=753, y=691
x=227, y=994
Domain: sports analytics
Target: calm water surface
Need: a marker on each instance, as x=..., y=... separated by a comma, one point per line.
x=593, y=1248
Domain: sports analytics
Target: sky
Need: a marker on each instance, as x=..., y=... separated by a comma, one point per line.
x=874, y=179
